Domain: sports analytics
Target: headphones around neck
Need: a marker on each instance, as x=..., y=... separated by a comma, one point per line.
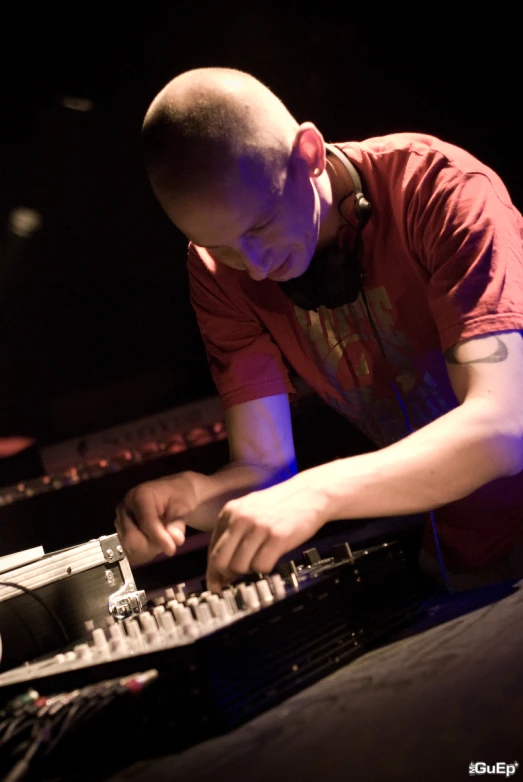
x=333, y=277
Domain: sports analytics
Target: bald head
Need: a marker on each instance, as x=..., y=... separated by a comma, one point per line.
x=211, y=126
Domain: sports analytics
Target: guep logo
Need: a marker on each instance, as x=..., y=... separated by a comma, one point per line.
x=504, y=769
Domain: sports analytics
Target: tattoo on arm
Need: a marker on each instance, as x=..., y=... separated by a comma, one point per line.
x=495, y=351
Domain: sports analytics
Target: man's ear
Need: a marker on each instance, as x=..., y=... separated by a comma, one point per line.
x=309, y=148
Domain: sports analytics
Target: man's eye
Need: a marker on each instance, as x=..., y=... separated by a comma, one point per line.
x=258, y=228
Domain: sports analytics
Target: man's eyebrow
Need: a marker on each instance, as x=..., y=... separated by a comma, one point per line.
x=217, y=246
x=263, y=220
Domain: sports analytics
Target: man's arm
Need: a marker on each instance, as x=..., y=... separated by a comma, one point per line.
x=479, y=441
x=152, y=517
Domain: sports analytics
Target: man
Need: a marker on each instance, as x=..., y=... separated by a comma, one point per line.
x=434, y=333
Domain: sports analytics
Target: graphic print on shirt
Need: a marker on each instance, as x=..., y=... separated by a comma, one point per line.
x=346, y=350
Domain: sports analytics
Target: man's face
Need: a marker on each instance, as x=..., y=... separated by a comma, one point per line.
x=263, y=223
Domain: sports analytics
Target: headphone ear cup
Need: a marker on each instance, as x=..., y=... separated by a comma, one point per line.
x=340, y=282
x=332, y=279
x=294, y=290
x=335, y=278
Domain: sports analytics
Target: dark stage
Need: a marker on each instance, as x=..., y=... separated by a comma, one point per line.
x=99, y=346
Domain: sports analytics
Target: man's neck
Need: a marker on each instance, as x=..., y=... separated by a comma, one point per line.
x=340, y=205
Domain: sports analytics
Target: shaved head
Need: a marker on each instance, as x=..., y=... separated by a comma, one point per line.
x=237, y=175
x=215, y=126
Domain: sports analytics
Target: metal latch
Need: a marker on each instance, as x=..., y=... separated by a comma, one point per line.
x=127, y=601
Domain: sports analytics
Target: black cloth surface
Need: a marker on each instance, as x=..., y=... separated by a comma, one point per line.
x=445, y=693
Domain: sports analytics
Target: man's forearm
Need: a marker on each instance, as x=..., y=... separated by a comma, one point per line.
x=231, y=481
x=442, y=462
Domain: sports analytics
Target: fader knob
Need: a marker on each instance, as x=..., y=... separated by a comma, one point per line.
x=341, y=552
x=311, y=556
x=286, y=569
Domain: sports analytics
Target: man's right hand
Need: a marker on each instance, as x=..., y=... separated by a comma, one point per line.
x=151, y=519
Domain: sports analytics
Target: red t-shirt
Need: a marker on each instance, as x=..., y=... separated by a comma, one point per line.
x=443, y=261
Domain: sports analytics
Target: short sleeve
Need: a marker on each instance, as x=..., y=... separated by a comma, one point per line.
x=467, y=236
x=244, y=361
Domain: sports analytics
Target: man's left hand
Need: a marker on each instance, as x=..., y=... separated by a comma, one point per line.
x=253, y=532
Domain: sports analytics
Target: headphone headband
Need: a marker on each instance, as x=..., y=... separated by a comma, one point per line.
x=362, y=207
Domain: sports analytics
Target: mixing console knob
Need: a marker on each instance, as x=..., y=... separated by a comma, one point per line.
x=83, y=652
x=180, y=592
x=153, y=637
x=134, y=633
x=241, y=604
x=118, y=638
x=117, y=646
x=168, y=624
x=264, y=591
x=250, y=595
x=185, y=616
x=218, y=607
x=99, y=639
x=189, y=626
x=192, y=603
x=89, y=627
x=147, y=621
x=228, y=597
x=157, y=611
x=203, y=613
x=278, y=585
x=177, y=610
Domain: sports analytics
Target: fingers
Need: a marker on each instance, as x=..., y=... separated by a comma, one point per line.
x=146, y=509
x=151, y=518
x=176, y=530
x=137, y=547
x=139, y=521
x=239, y=547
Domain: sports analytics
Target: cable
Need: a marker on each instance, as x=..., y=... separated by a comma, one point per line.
x=22, y=766
x=51, y=613
x=357, y=248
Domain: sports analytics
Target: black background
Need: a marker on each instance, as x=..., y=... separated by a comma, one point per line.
x=95, y=324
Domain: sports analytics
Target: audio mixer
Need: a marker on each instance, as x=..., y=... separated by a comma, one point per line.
x=222, y=658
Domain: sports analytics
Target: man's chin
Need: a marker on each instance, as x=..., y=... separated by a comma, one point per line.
x=289, y=270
